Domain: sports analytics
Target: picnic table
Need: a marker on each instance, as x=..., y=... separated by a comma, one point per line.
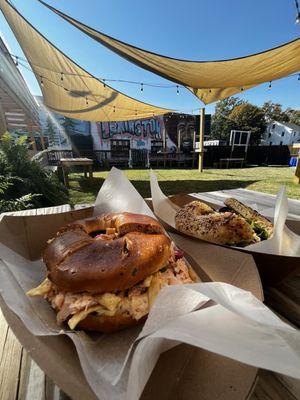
x=66, y=163
x=22, y=379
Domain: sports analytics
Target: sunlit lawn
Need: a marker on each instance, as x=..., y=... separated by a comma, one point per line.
x=172, y=181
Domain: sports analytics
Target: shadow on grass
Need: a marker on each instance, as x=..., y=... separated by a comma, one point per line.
x=169, y=187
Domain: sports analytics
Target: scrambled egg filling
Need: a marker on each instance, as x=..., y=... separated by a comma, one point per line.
x=135, y=302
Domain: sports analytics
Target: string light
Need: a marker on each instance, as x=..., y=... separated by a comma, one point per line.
x=242, y=89
x=104, y=84
x=298, y=13
x=177, y=91
x=17, y=61
x=142, y=87
x=86, y=101
x=298, y=77
x=209, y=90
x=42, y=81
x=270, y=85
x=114, y=109
x=61, y=76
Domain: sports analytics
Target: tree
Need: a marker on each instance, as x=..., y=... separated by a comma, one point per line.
x=294, y=116
x=221, y=124
x=50, y=131
x=274, y=112
x=247, y=117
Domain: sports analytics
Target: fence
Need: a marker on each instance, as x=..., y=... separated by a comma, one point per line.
x=104, y=159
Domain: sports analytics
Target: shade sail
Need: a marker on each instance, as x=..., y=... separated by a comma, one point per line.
x=67, y=88
x=208, y=80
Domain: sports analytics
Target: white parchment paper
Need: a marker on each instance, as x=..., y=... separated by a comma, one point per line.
x=283, y=242
x=214, y=316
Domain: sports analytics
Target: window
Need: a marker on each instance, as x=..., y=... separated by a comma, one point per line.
x=282, y=134
x=156, y=146
x=273, y=126
x=120, y=146
x=270, y=143
x=269, y=135
x=281, y=143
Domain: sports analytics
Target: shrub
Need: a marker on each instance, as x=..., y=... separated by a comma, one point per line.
x=24, y=183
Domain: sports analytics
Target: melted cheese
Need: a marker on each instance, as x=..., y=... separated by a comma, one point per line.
x=40, y=290
x=81, y=315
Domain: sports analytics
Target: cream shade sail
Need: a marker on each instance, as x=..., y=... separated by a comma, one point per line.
x=208, y=80
x=67, y=88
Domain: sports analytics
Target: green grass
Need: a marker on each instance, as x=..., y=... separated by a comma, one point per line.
x=173, y=181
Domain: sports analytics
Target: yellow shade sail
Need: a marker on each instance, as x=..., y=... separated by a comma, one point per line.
x=67, y=88
x=208, y=80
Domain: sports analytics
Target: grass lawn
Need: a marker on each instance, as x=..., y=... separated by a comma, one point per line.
x=173, y=181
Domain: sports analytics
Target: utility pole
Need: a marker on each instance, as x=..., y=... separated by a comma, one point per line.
x=201, y=139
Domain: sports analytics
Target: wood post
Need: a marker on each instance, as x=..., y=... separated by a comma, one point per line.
x=201, y=139
x=31, y=136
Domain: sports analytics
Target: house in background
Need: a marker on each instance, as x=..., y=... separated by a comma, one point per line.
x=281, y=133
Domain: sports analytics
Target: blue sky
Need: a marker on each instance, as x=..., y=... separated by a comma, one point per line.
x=191, y=29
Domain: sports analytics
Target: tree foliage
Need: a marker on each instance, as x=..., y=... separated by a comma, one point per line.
x=221, y=124
x=234, y=113
x=247, y=117
x=274, y=112
x=24, y=183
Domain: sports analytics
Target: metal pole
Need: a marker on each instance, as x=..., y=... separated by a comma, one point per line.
x=201, y=139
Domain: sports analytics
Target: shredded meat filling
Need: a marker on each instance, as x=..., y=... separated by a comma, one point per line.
x=135, y=302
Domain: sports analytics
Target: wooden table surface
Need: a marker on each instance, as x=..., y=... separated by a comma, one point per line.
x=22, y=379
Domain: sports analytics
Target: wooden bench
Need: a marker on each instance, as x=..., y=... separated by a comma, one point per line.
x=231, y=161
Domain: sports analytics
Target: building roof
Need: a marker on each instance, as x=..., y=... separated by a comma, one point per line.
x=288, y=125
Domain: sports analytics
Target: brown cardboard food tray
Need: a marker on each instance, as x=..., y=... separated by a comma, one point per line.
x=273, y=269
x=183, y=372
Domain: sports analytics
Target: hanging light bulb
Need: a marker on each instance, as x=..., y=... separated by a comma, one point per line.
x=17, y=61
x=135, y=112
x=177, y=91
x=114, y=109
x=298, y=77
x=242, y=89
x=61, y=76
x=86, y=101
x=297, y=21
x=104, y=85
x=270, y=85
x=42, y=81
x=142, y=87
x=209, y=90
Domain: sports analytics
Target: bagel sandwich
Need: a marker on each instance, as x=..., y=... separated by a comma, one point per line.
x=261, y=225
x=104, y=272
x=236, y=225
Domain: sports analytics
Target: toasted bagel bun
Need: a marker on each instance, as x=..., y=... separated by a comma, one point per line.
x=78, y=262
x=108, y=324
x=197, y=220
